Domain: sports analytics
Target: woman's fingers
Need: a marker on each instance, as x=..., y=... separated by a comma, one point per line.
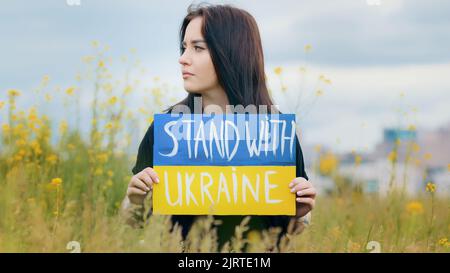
x=133, y=191
x=306, y=200
x=152, y=174
x=135, y=182
x=145, y=177
x=299, y=184
x=307, y=192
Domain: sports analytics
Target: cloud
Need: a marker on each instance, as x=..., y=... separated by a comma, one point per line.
x=352, y=33
x=371, y=53
x=376, y=97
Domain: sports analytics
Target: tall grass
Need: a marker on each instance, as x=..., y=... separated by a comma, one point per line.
x=57, y=186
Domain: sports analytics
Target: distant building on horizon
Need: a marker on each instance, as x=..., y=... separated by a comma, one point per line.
x=420, y=156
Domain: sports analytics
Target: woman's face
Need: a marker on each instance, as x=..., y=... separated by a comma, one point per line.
x=197, y=67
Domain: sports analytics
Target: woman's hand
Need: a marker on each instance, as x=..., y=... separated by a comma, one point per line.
x=305, y=194
x=140, y=185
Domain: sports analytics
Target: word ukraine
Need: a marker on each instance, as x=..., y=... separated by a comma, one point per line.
x=238, y=164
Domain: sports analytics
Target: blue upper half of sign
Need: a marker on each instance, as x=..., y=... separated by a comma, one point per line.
x=224, y=139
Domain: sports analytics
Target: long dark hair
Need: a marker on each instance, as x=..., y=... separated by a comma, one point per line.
x=234, y=42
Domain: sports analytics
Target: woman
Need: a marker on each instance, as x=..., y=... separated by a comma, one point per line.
x=222, y=63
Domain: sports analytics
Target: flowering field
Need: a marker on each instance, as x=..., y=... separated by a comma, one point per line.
x=61, y=189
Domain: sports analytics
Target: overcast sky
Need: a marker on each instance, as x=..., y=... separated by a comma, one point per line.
x=371, y=53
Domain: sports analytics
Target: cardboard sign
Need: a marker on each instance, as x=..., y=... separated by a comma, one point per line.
x=239, y=164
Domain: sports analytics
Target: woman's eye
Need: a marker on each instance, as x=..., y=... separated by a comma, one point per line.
x=196, y=48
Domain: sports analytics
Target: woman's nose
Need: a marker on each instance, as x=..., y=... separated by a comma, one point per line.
x=184, y=59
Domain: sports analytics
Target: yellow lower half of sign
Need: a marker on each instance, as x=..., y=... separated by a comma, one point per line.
x=224, y=190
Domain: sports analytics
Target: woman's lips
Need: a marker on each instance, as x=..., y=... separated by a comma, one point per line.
x=187, y=75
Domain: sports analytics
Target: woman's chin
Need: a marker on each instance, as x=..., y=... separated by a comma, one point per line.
x=189, y=89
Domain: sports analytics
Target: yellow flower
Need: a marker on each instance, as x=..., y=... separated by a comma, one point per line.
x=127, y=89
x=94, y=44
x=21, y=142
x=69, y=91
x=415, y=147
x=102, y=158
x=328, y=163
x=70, y=146
x=34, y=144
x=412, y=127
x=32, y=117
x=254, y=236
x=358, y=160
x=308, y=48
x=109, y=183
x=112, y=100
x=417, y=162
x=324, y=79
x=98, y=171
x=13, y=93
x=414, y=207
x=444, y=242
x=2, y=103
x=88, y=59
x=353, y=247
x=48, y=97
x=431, y=187
x=427, y=156
x=36, y=147
x=52, y=159
x=56, y=181
x=63, y=127
x=142, y=110
x=392, y=156
x=448, y=167
x=278, y=70
x=317, y=148
x=319, y=93
x=107, y=87
x=45, y=79
x=335, y=232
x=22, y=152
x=109, y=125
x=101, y=63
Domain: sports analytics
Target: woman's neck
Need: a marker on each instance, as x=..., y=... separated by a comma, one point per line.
x=213, y=99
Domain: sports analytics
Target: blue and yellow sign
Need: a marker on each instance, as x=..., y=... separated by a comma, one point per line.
x=239, y=164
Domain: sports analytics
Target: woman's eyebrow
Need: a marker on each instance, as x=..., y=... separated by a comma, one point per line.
x=194, y=42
